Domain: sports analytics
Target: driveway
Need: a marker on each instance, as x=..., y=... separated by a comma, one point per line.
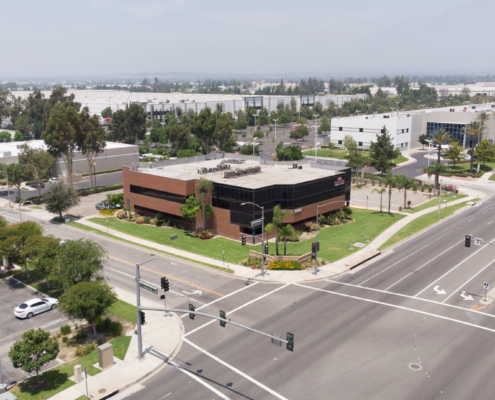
x=12, y=294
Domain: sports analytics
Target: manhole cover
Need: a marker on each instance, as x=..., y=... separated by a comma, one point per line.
x=415, y=366
x=102, y=391
x=152, y=255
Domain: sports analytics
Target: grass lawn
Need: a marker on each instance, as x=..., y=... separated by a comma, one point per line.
x=465, y=167
x=492, y=178
x=334, y=240
x=58, y=377
x=124, y=310
x=401, y=159
x=342, y=155
x=89, y=229
x=434, y=202
x=421, y=223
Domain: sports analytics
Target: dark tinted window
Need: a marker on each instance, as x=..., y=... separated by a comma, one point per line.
x=159, y=194
x=23, y=306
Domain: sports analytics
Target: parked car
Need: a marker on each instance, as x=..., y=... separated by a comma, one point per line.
x=27, y=203
x=35, y=184
x=34, y=306
x=53, y=179
x=101, y=206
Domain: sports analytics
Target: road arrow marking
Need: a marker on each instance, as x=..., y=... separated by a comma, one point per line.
x=468, y=297
x=193, y=292
x=436, y=289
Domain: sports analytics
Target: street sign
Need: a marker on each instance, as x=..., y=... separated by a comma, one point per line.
x=256, y=222
x=149, y=288
x=486, y=285
x=478, y=241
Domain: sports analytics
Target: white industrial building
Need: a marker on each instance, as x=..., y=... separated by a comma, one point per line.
x=405, y=127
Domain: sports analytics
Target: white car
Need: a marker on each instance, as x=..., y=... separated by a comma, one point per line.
x=54, y=179
x=34, y=306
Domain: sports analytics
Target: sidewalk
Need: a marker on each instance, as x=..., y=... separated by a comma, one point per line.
x=326, y=271
x=162, y=337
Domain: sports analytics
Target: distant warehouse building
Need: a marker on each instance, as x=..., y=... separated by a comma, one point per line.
x=405, y=127
x=163, y=187
x=114, y=156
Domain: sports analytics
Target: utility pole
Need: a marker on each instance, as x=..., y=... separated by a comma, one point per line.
x=439, y=198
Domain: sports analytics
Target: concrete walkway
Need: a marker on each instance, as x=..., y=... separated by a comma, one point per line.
x=326, y=271
x=162, y=337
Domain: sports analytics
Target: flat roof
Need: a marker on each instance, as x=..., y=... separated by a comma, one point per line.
x=270, y=174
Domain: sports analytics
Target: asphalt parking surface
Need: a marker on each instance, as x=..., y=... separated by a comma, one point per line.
x=12, y=294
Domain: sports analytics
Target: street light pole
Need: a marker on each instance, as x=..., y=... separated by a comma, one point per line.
x=94, y=172
x=254, y=139
x=262, y=234
x=439, y=197
x=316, y=236
x=275, y=120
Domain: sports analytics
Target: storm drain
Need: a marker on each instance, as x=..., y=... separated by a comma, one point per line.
x=415, y=366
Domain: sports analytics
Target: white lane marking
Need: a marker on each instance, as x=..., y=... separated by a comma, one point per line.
x=449, y=271
x=53, y=323
x=470, y=279
x=489, y=222
x=193, y=292
x=237, y=309
x=171, y=291
x=400, y=307
x=403, y=259
x=207, y=385
x=236, y=370
x=426, y=263
x=6, y=216
x=469, y=220
x=224, y=297
x=437, y=289
x=410, y=297
x=468, y=297
x=484, y=211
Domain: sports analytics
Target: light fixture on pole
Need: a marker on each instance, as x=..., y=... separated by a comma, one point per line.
x=254, y=140
x=262, y=234
x=316, y=155
x=94, y=172
x=275, y=120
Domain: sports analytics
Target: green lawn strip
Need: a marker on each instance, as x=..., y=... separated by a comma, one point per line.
x=89, y=229
x=59, y=376
x=434, y=202
x=401, y=159
x=466, y=167
x=124, y=310
x=492, y=178
x=421, y=223
x=342, y=155
x=120, y=346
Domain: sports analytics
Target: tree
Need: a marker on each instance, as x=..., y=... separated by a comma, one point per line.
x=87, y=300
x=357, y=161
x=156, y=131
x=247, y=150
x=106, y=112
x=191, y=209
x=91, y=140
x=38, y=163
x=17, y=174
x=203, y=128
x=13, y=239
x=423, y=140
x=79, y=261
x=403, y=182
x=205, y=187
x=454, y=152
x=60, y=198
x=349, y=143
x=18, y=136
x=382, y=152
x=33, y=351
x=325, y=125
x=61, y=135
x=440, y=137
x=436, y=169
x=483, y=117
x=223, y=135
x=380, y=192
x=286, y=231
x=300, y=132
x=278, y=217
x=473, y=130
x=484, y=151
x=178, y=134
x=22, y=125
x=390, y=182
x=5, y=136
x=128, y=125
x=42, y=252
x=258, y=134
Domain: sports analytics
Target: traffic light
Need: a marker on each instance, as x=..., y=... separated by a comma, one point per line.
x=223, y=316
x=313, y=248
x=165, y=284
x=290, y=341
x=191, y=308
x=467, y=243
x=143, y=319
x=243, y=240
x=266, y=248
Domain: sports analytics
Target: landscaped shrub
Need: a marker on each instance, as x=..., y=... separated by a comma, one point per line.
x=121, y=214
x=207, y=234
x=64, y=339
x=107, y=212
x=65, y=330
x=100, y=341
x=147, y=220
x=81, y=336
x=103, y=325
x=152, y=221
x=140, y=220
x=116, y=329
x=85, y=350
x=252, y=262
x=348, y=210
x=285, y=265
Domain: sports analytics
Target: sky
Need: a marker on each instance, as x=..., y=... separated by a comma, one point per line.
x=122, y=38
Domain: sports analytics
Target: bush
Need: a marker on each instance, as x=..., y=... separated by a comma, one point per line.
x=430, y=189
x=158, y=222
x=100, y=189
x=152, y=221
x=71, y=342
x=65, y=330
x=64, y=339
x=347, y=210
x=400, y=208
x=103, y=325
x=160, y=217
x=100, y=341
x=140, y=220
x=107, y=212
x=147, y=220
x=81, y=336
x=116, y=329
x=186, y=153
x=143, y=149
x=121, y=214
x=408, y=203
x=285, y=265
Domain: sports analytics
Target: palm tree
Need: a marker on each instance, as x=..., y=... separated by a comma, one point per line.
x=380, y=192
x=285, y=232
x=439, y=137
x=403, y=182
x=390, y=182
x=278, y=216
x=473, y=130
x=203, y=188
x=482, y=118
x=436, y=169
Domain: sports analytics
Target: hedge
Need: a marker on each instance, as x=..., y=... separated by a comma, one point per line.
x=82, y=192
x=106, y=171
x=285, y=265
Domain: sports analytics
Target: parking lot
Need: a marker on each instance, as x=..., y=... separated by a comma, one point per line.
x=13, y=294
